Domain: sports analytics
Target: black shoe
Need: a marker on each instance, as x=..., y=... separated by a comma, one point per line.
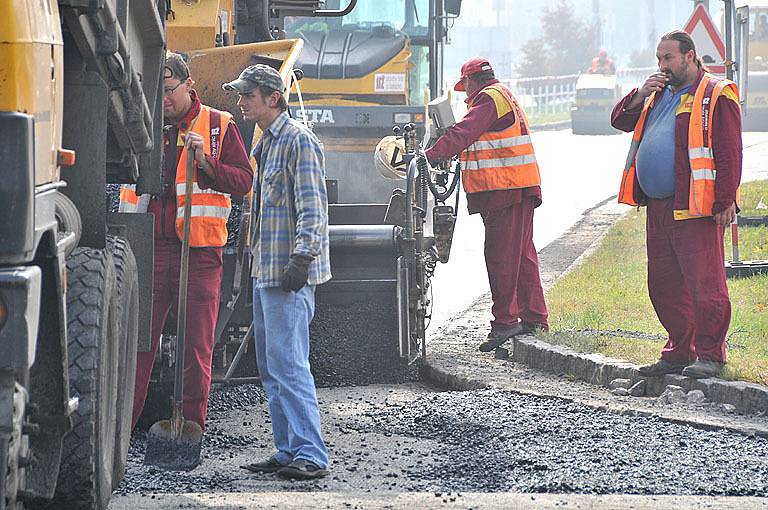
x=532, y=328
x=301, y=469
x=702, y=369
x=498, y=336
x=269, y=465
x=663, y=367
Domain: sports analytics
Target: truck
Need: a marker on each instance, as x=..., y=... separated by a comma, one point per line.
x=80, y=106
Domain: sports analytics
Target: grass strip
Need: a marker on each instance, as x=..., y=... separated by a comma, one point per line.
x=603, y=305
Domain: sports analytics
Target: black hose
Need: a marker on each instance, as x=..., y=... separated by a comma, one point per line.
x=440, y=196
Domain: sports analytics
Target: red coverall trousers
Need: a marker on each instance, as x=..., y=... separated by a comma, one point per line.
x=203, y=290
x=513, y=265
x=686, y=283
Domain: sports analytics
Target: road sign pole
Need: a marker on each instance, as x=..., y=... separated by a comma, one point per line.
x=705, y=3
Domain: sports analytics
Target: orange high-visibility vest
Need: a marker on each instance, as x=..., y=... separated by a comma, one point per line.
x=504, y=159
x=701, y=196
x=210, y=208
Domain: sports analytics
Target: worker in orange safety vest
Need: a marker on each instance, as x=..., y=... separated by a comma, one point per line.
x=501, y=177
x=685, y=165
x=221, y=168
x=602, y=63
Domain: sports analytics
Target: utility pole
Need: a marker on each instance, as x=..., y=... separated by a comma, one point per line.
x=597, y=23
x=705, y=3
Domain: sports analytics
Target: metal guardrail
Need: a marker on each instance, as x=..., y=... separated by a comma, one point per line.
x=556, y=94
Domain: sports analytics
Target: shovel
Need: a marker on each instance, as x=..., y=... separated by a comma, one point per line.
x=175, y=444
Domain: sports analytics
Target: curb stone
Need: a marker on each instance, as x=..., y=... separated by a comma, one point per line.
x=453, y=362
x=748, y=398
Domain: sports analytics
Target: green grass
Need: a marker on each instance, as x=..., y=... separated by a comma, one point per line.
x=751, y=193
x=593, y=308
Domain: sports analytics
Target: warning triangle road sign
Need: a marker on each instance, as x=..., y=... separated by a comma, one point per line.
x=709, y=43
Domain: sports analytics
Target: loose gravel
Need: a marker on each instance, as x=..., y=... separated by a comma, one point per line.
x=500, y=441
x=410, y=438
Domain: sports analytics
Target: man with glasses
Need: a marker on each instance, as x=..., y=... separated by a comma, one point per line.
x=222, y=168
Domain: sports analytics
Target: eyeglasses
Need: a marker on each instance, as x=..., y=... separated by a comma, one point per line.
x=168, y=91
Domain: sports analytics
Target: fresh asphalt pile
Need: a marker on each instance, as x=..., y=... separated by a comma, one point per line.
x=500, y=441
x=407, y=438
x=355, y=343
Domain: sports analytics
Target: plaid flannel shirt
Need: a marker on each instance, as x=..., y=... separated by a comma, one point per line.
x=290, y=203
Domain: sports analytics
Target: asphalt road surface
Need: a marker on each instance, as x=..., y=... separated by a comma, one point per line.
x=413, y=446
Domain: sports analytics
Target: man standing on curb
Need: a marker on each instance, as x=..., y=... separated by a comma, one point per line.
x=212, y=138
x=501, y=178
x=290, y=250
x=685, y=165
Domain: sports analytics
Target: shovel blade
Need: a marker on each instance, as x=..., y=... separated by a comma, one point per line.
x=172, y=452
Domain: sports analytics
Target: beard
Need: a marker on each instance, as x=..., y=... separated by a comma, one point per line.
x=678, y=78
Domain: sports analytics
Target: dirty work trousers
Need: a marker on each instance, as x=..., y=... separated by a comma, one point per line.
x=513, y=266
x=203, y=290
x=686, y=283
x=281, y=334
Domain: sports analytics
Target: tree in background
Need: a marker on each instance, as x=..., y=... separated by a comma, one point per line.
x=566, y=46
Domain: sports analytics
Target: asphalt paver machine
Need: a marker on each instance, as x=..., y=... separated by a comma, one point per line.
x=371, y=318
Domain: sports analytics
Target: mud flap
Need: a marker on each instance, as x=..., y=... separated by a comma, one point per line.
x=139, y=229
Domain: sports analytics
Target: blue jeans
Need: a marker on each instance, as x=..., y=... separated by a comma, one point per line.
x=281, y=332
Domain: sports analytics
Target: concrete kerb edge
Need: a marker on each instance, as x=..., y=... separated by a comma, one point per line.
x=747, y=398
x=596, y=369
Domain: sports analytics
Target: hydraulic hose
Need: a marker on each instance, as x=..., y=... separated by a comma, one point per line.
x=440, y=196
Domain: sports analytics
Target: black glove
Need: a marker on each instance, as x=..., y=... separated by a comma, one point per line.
x=295, y=273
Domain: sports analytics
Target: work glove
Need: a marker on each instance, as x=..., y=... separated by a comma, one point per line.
x=296, y=273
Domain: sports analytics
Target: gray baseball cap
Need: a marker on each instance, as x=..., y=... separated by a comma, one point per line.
x=255, y=75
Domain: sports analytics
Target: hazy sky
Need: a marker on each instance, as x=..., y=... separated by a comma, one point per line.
x=626, y=26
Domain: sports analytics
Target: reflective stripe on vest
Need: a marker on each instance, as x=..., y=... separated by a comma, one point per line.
x=210, y=208
x=501, y=159
x=701, y=196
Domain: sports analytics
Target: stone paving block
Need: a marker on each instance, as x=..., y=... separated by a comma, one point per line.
x=754, y=399
x=727, y=392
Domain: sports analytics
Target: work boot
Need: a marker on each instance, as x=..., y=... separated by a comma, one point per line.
x=268, y=465
x=499, y=335
x=532, y=328
x=702, y=369
x=301, y=469
x=663, y=367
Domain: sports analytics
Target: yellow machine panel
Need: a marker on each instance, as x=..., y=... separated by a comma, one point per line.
x=31, y=59
x=200, y=23
x=389, y=84
x=212, y=67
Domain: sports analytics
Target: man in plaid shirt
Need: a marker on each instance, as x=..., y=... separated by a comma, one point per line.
x=290, y=257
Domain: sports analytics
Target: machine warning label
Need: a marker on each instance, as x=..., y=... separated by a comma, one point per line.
x=388, y=83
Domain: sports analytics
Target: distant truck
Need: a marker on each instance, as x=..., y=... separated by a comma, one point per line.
x=596, y=95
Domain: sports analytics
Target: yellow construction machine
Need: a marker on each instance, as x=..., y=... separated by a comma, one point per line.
x=364, y=72
x=596, y=94
x=371, y=317
x=756, y=117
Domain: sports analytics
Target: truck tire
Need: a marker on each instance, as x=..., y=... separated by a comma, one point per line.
x=68, y=217
x=85, y=477
x=126, y=277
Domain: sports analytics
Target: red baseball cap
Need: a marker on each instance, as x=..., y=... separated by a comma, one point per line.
x=472, y=66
